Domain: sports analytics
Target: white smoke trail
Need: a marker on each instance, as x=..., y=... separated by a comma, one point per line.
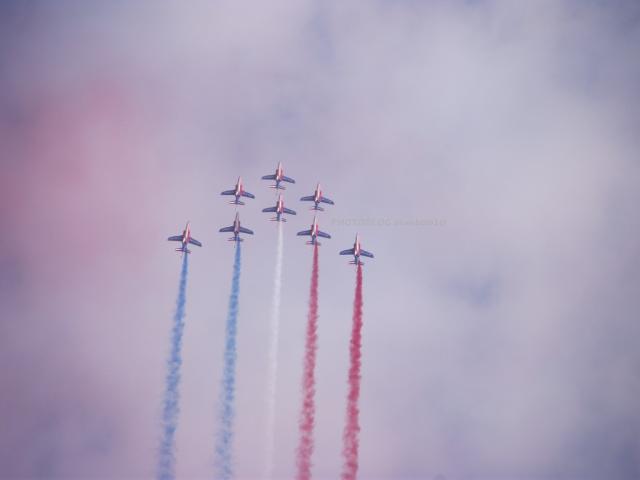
x=272, y=376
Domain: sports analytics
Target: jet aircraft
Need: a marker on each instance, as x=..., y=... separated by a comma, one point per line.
x=317, y=198
x=236, y=229
x=238, y=191
x=186, y=239
x=279, y=210
x=357, y=252
x=278, y=177
x=314, y=233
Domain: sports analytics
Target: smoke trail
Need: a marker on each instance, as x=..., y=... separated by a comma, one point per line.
x=225, y=433
x=166, y=459
x=273, y=357
x=352, y=427
x=307, y=417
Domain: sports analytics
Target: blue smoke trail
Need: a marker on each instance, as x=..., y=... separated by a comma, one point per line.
x=171, y=396
x=225, y=434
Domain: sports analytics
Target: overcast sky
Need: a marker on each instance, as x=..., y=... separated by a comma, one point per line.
x=486, y=151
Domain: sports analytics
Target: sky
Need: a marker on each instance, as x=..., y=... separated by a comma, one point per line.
x=486, y=151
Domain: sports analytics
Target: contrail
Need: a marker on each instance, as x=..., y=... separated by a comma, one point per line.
x=307, y=417
x=166, y=461
x=224, y=439
x=352, y=427
x=273, y=357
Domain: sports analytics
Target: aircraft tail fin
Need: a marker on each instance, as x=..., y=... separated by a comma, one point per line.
x=236, y=202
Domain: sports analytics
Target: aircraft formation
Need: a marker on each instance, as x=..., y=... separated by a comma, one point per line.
x=314, y=232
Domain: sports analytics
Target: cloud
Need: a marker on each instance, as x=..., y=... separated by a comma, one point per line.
x=498, y=344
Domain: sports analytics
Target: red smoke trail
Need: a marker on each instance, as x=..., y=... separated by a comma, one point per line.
x=352, y=427
x=307, y=417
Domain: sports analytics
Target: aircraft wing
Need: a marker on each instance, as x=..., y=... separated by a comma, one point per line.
x=310, y=198
x=226, y=229
x=288, y=179
x=348, y=251
x=326, y=200
x=175, y=238
x=195, y=242
x=305, y=232
x=364, y=253
x=269, y=177
x=246, y=230
x=228, y=192
x=288, y=210
x=323, y=235
x=269, y=209
x=248, y=195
